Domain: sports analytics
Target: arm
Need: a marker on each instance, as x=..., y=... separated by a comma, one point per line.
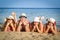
x=6, y=27
x=14, y=15
x=15, y=24
x=44, y=28
x=13, y=27
x=27, y=27
x=39, y=30
x=46, y=31
x=54, y=30
x=30, y=27
x=19, y=27
x=26, y=23
x=41, y=27
x=33, y=28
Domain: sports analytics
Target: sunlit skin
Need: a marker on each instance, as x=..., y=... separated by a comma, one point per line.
x=51, y=27
x=15, y=19
x=35, y=26
x=24, y=21
x=13, y=14
x=38, y=26
x=9, y=22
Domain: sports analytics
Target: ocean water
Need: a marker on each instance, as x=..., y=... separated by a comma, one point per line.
x=31, y=13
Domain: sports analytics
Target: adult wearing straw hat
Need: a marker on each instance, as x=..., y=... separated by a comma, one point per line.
x=23, y=23
x=50, y=27
x=9, y=24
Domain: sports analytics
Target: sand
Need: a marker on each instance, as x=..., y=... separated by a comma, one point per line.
x=28, y=36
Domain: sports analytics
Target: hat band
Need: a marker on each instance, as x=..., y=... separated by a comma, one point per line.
x=22, y=16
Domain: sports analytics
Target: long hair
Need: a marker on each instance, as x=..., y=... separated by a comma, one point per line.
x=7, y=22
x=32, y=25
x=54, y=24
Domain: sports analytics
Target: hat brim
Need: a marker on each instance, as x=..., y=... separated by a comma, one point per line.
x=22, y=16
x=9, y=18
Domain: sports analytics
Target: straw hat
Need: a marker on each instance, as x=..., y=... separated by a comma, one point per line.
x=23, y=15
x=51, y=20
x=10, y=17
x=36, y=19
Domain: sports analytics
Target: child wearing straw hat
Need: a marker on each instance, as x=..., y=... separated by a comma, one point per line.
x=9, y=24
x=36, y=25
x=50, y=27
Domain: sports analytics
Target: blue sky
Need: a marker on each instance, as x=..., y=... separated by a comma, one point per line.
x=29, y=3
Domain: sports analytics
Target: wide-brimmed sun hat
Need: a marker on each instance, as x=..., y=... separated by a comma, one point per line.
x=51, y=20
x=10, y=17
x=36, y=19
x=23, y=15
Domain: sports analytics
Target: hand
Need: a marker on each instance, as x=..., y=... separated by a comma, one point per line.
x=25, y=22
x=33, y=28
x=11, y=24
x=13, y=14
x=20, y=23
x=51, y=27
x=48, y=27
x=36, y=26
x=8, y=23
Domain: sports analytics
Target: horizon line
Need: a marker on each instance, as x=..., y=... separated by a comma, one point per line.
x=29, y=8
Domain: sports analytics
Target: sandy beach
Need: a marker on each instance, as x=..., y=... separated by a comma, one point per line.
x=28, y=36
x=35, y=15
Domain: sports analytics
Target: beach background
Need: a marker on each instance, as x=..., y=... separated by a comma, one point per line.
x=31, y=13
x=33, y=8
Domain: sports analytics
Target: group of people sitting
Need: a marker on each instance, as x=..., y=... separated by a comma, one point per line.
x=11, y=24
